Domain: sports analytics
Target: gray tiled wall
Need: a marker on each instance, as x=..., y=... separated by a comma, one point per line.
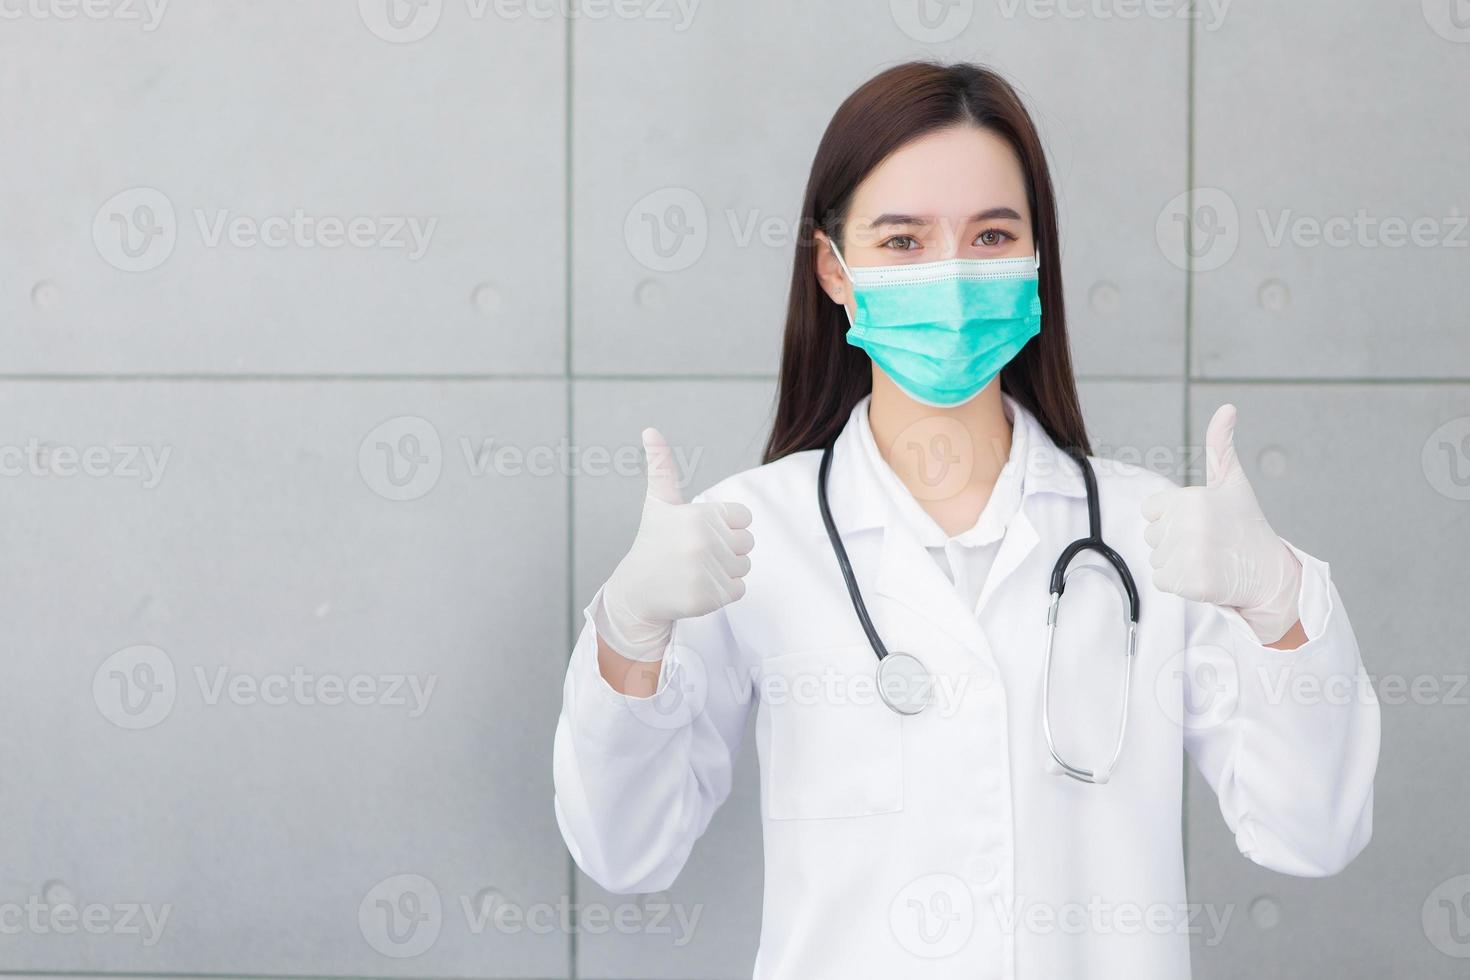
x=256, y=491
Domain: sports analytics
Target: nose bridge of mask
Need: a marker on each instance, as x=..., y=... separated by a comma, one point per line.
x=955, y=269
x=935, y=292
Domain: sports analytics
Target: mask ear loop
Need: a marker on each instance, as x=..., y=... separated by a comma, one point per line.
x=845, y=271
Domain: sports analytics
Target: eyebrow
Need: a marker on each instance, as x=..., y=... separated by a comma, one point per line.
x=989, y=214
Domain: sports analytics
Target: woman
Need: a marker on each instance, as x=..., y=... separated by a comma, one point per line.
x=923, y=825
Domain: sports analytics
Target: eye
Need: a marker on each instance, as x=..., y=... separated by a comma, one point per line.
x=993, y=237
x=901, y=243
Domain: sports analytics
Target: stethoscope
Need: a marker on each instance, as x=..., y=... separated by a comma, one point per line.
x=904, y=683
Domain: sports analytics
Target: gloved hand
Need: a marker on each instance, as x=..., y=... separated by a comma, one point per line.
x=1212, y=543
x=687, y=560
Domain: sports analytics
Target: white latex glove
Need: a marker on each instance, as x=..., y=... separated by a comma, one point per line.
x=1213, y=544
x=687, y=560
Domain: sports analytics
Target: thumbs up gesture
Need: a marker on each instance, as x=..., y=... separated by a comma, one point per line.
x=1213, y=544
x=686, y=560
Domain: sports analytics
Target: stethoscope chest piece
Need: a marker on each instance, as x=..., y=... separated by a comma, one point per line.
x=904, y=684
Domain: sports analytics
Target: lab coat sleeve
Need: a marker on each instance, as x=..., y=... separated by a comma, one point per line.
x=638, y=779
x=1288, y=739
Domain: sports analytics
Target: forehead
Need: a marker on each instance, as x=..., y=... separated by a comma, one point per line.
x=951, y=173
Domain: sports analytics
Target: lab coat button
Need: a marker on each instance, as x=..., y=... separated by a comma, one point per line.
x=982, y=871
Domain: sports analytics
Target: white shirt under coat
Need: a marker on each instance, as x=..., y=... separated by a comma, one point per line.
x=941, y=845
x=964, y=558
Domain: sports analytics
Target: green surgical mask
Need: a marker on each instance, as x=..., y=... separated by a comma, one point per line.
x=943, y=330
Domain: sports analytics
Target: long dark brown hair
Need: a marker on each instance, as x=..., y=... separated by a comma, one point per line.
x=823, y=376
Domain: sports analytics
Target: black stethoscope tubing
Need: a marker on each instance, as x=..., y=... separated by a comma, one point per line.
x=1093, y=542
x=843, y=563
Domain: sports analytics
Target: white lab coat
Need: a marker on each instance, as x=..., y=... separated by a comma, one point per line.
x=941, y=845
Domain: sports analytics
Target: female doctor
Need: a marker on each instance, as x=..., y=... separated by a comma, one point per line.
x=970, y=734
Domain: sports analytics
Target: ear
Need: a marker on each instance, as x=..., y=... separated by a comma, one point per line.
x=829, y=272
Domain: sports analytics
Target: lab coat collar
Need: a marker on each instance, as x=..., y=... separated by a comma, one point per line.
x=861, y=500
x=861, y=487
x=1047, y=468
x=989, y=527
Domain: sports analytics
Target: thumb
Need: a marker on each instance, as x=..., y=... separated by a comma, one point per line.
x=663, y=482
x=1222, y=466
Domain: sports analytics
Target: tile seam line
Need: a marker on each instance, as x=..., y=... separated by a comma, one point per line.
x=1283, y=380
x=1190, y=95
x=573, y=947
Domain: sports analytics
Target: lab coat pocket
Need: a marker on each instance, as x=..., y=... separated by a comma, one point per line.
x=833, y=748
